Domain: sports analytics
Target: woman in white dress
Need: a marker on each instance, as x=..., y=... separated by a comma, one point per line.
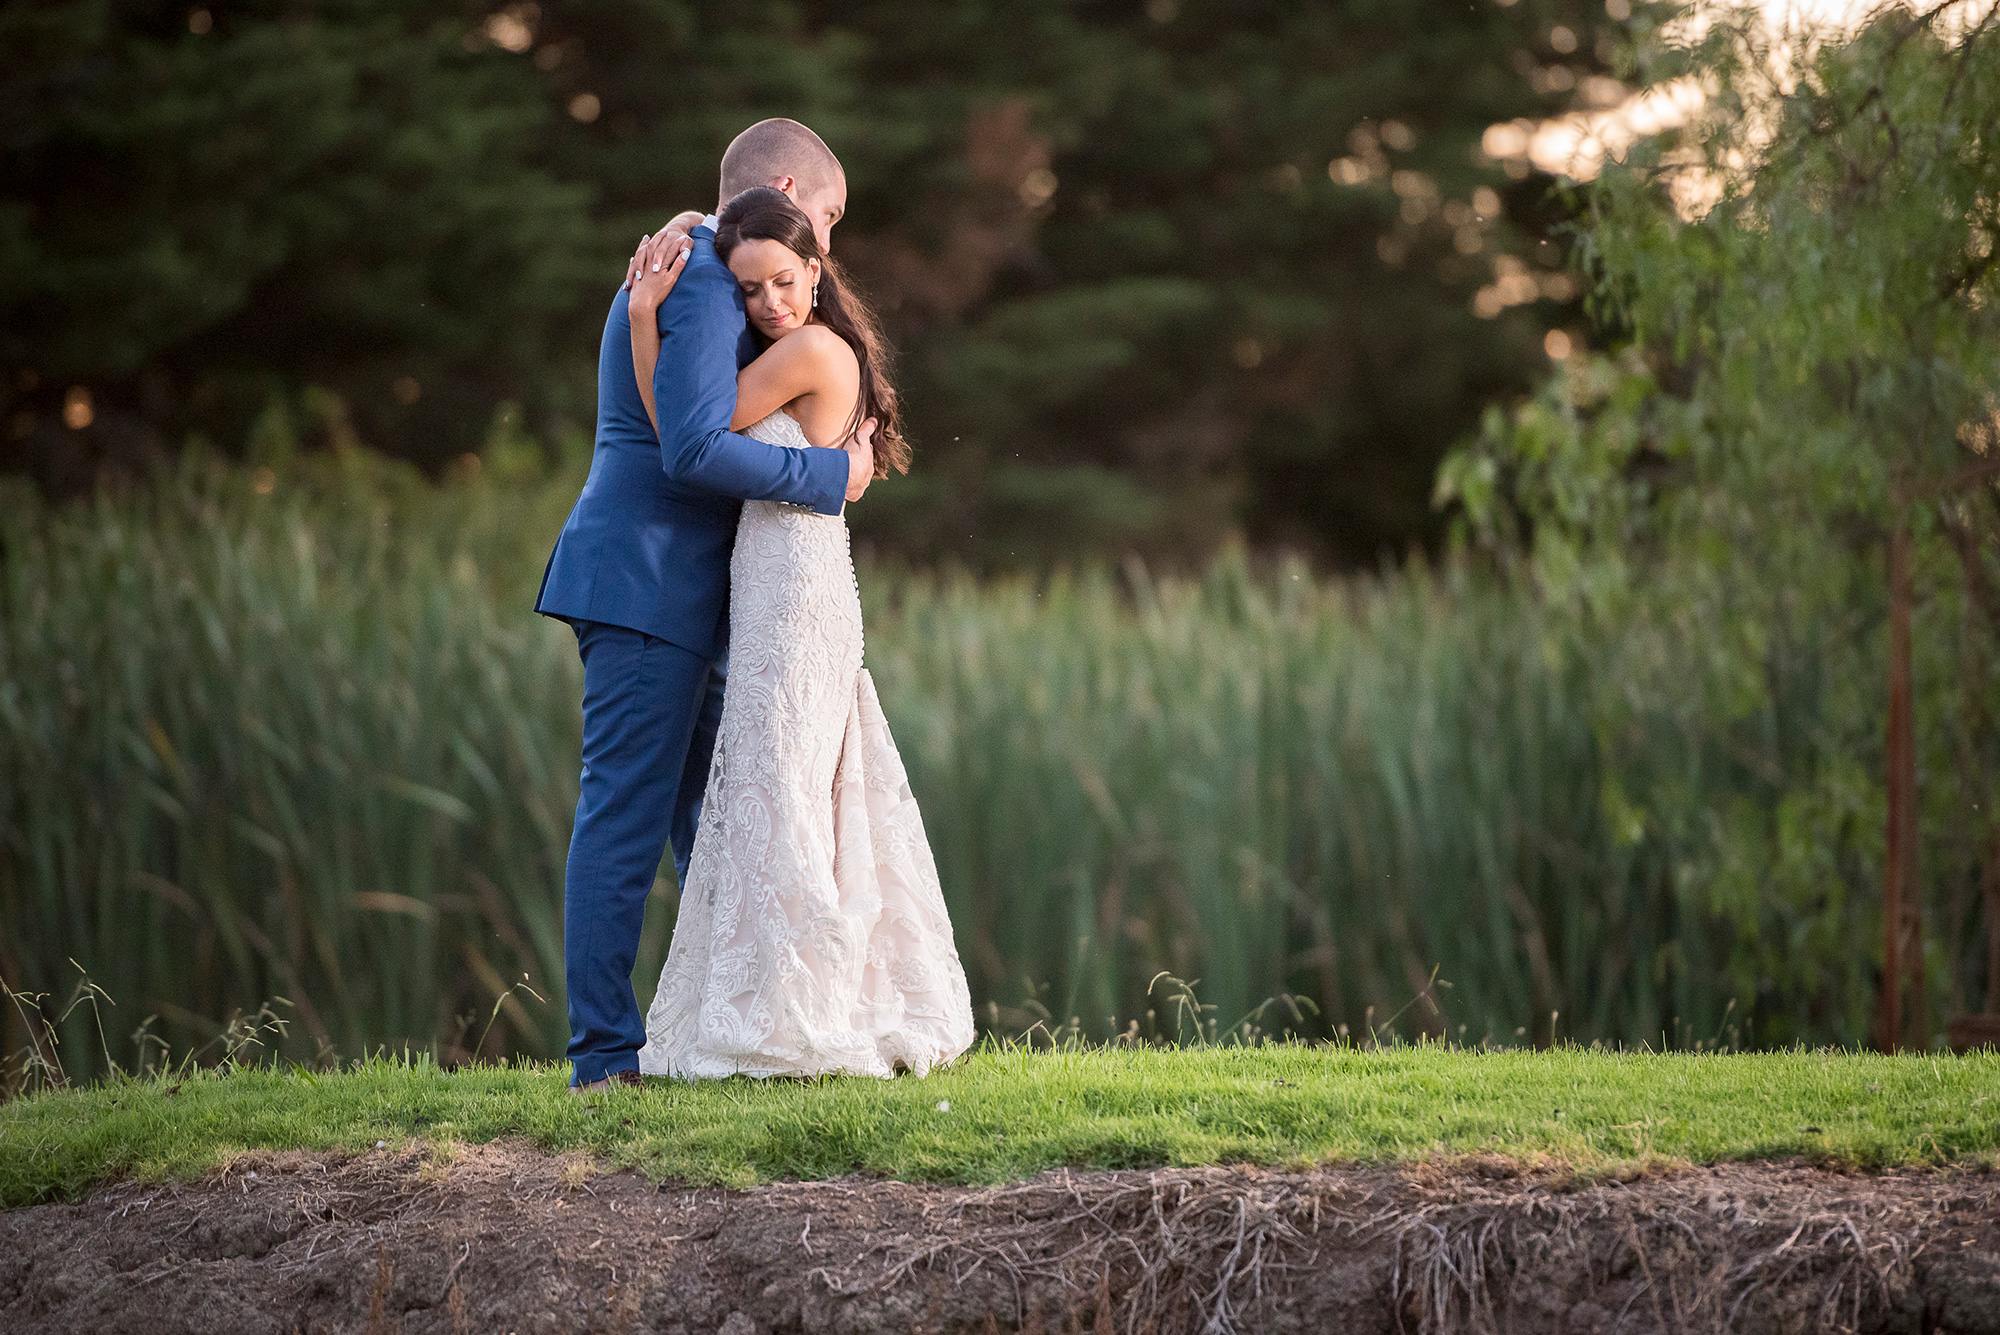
x=812, y=937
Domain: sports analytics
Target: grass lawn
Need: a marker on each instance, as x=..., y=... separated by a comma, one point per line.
x=1006, y=1112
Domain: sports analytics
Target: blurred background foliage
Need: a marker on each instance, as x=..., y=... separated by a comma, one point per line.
x=1709, y=610
x=1159, y=272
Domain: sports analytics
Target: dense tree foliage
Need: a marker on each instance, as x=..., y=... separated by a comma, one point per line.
x=1157, y=271
x=1792, y=470
x=205, y=213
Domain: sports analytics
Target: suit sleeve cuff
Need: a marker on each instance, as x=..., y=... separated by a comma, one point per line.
x=826, y=473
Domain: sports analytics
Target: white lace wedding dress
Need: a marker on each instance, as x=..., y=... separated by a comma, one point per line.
x=812, y=935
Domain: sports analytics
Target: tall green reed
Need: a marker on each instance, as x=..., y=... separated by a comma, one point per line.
x=1276, y=785
x=295, y=733
x=276, y=745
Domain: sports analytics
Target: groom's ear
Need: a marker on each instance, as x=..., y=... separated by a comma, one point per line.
x=787, y=186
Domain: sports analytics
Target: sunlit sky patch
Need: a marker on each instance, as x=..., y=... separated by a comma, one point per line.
x=1577, y=145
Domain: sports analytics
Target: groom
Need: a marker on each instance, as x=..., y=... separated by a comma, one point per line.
x=641, y=572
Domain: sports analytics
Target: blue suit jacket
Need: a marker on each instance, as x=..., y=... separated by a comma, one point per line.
x=647, y=544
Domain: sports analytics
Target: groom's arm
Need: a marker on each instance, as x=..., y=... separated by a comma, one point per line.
x=694, y=386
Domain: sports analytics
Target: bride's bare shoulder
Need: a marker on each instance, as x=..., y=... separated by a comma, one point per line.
x=826, y=349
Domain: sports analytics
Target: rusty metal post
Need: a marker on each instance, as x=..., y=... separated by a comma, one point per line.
x=1989, y=878
x=1902, y=908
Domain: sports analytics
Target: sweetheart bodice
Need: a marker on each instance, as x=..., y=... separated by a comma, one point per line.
x=779, y=428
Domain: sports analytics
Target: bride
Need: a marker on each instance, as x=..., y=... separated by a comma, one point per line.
x=812, y=937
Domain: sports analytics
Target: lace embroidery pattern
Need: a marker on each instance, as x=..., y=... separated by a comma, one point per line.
x=812, y=936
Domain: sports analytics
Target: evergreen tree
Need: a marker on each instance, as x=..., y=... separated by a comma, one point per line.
x=1157, y=271
x=205, y=209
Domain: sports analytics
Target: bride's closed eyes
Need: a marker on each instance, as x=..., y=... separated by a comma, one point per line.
x=785, y=279
x=776, y=284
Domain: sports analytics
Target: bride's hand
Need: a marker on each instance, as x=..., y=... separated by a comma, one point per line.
x=681, y=225
x=860, y=449
x=658, y=267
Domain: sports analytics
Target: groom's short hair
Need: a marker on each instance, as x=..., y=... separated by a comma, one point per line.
x=773, y=148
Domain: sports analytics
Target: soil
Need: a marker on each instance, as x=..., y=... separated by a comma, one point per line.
x=502, y=1238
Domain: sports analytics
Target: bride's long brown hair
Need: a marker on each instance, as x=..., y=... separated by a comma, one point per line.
x=764, y=214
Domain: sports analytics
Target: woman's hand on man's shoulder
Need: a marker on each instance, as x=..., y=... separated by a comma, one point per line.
x=678, y=229
x=655, y=270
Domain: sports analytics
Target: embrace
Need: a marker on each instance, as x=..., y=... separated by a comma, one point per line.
x=742, y=399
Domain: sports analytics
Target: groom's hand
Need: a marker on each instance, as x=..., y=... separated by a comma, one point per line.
x=676, y=231
x=860, y=449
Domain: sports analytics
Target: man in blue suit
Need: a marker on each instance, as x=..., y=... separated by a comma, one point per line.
x=641, y=572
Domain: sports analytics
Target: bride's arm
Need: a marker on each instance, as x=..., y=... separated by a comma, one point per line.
x=652, y=275
x=806, y=361
x=815, y=360
x=812, y=359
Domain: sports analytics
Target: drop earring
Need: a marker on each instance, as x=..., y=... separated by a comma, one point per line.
x=815, y=296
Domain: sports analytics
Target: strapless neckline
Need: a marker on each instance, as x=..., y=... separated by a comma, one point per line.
x=778, y=427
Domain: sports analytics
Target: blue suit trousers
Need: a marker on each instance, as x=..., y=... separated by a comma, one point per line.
x=650, y=712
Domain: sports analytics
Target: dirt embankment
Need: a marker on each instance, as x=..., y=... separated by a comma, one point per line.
x=502, y=1239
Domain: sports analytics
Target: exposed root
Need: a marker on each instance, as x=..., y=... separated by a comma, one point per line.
x=1215, y=1251
x=1690, y=1257
x=1179, y=1250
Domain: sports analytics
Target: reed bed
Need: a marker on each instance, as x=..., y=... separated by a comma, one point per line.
x=271, y=746
x=1279, y=786
x=294, y=734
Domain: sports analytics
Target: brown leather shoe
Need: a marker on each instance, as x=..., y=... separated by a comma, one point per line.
x=617, y=1079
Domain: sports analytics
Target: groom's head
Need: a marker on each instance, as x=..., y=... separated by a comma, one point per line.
x=786, y=156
